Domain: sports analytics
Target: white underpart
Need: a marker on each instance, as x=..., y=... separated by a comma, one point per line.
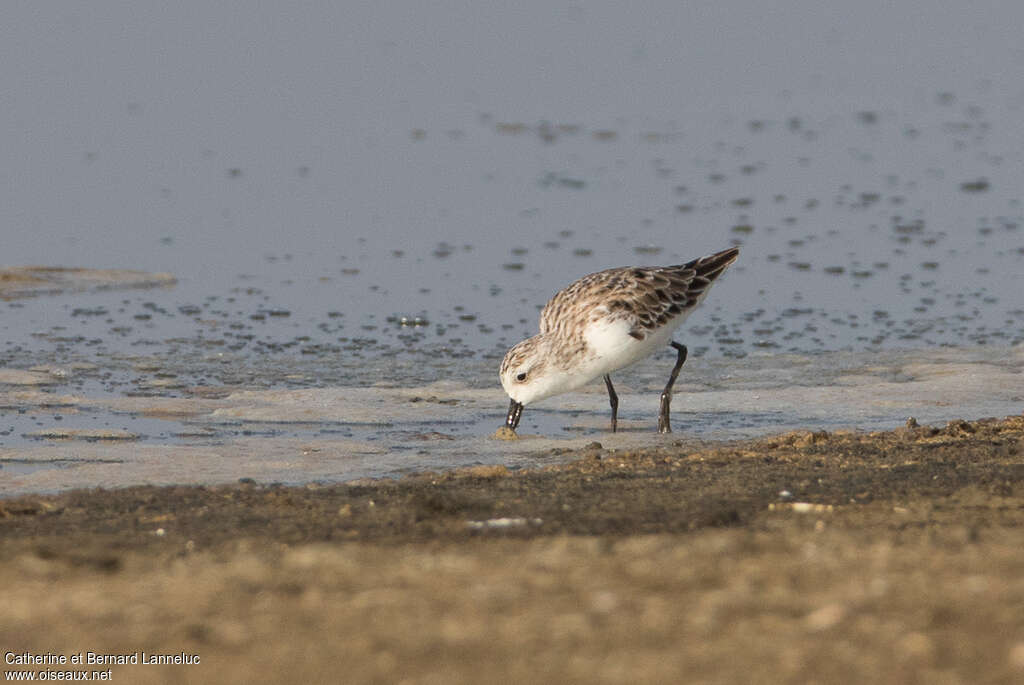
x=610, y=347
x=614, y=348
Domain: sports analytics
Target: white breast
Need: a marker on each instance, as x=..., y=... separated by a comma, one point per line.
x=613, y=348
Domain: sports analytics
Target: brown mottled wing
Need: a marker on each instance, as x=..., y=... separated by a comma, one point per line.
x=647, y=297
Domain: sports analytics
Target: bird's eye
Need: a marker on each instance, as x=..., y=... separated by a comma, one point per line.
x=521, y=377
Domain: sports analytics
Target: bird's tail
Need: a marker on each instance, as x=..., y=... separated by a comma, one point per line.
x=712, y=266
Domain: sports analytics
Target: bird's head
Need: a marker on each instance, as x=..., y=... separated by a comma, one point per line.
x=526, y=372
x=530, y=372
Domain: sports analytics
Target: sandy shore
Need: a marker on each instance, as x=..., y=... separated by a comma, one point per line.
x=809, y=557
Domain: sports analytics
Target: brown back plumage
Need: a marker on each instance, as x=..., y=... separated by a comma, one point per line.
x=646, y=296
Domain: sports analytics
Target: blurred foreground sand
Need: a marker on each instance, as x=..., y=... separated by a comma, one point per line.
x=810, y=557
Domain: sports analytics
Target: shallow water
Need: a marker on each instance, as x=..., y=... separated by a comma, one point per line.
x=293, y=435
x=854, y=233
x=408, y=223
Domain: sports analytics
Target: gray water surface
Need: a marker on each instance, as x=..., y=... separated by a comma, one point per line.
x=382, y=197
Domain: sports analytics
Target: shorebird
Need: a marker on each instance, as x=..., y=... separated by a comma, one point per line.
x=604, y=322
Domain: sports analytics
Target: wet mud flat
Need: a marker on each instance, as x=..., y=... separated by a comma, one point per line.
x=892, y=557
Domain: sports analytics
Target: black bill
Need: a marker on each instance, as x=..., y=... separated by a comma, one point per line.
x=515, y=410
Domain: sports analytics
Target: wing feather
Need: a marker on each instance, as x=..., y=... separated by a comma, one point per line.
x=646, y=297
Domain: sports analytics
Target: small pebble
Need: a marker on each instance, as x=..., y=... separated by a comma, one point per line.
x=505, y=433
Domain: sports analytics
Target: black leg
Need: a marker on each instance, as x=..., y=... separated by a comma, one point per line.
x=666, y=395
x=613, y=399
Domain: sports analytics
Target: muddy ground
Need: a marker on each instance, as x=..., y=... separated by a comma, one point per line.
x=809, y=557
